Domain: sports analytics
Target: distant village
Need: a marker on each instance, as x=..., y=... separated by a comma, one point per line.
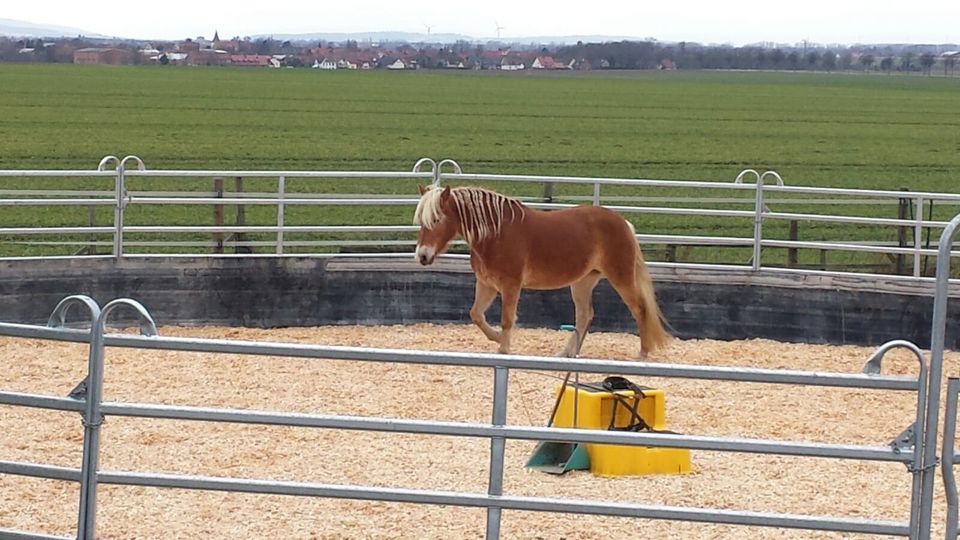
x=277, y=54
x=463, y=55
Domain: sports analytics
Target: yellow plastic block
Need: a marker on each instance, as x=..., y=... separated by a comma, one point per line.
x=594, y=408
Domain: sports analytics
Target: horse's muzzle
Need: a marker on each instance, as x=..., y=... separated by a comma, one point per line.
x=425, y=255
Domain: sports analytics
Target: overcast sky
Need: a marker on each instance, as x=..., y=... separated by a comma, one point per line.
x=707, y=21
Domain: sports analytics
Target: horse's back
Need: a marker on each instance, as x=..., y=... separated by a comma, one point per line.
x=591, y=226
x=559, y=247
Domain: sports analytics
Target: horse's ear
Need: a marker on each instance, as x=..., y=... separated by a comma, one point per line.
x=445, y=195
x=421, y=189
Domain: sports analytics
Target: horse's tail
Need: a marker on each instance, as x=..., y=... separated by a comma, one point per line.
x=653, y=335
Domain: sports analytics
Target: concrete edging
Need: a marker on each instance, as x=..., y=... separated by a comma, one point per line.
x=311, y=291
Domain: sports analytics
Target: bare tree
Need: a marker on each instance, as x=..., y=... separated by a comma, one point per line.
x=887, y=64
x=927, y=60
x=949, y=62
x=906, y=61
x=829, y=60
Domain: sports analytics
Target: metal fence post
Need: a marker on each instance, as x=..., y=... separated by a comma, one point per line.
x=548, y=192
x=218, y=215
x=914, y=432
x=497, y=450
x=241, y=220
x=58, y=319
x=92, y=214
x=949, y=438
x=937, y=339
x=903, y=210
x=118, y=211
x=917, y=235
x=596, y=194
x=792, y=252
x=93, y=418
x=757, y=224
x=281, y=193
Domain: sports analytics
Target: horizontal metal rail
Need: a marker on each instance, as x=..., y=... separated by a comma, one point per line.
x=336, y=201
x=65, y=174
x=231, y=243
x=857, y=220
x=538, y=504
x=694, y=240
x=462, y=429
x=8, y=534
x=56, y=193
x=865, y=248
x=707, y=199
x=57, y=202
x=699, y=184
x=405, y=356
x=293, y=229
x=38, y=401
x=33, y=470
x=241, y=197
x=55, y=230
x=205, y=174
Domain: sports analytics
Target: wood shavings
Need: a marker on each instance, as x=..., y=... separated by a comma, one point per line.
x=720, y=480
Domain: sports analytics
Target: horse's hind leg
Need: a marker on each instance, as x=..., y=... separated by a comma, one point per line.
x=631, y=296
x=484, y=296
x=582, y=293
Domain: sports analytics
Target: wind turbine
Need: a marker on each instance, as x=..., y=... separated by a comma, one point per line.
x=428, y=29
x=499, y=28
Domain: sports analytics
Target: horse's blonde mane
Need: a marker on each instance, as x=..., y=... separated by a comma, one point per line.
x=482, y=212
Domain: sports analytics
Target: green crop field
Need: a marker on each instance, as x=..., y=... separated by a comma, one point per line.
x=840, y=130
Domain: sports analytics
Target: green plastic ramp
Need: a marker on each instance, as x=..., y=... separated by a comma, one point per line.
x=558, y=457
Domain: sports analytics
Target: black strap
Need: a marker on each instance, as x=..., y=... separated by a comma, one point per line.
x=614, y=383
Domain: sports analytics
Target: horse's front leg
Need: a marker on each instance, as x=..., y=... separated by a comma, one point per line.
x=509, y=298
x=484, y=296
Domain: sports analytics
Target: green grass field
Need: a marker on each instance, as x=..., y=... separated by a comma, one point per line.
x=840, y=130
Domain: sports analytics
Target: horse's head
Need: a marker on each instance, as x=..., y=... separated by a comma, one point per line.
x=436, y=215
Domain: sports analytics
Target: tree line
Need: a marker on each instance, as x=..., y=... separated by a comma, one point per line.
x=652, y=55
x=609, y=55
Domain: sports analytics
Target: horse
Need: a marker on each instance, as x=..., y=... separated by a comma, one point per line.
x=515, y=247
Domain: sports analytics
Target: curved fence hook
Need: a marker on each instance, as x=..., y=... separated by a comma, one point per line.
x=874, y=362
x=745, y=172
x=774, y=174
x=456, y=166
x=58, y=318
x=417, y=166
x=439, y=170
x=106, y=160
x=140, y=165
x=147, y=325
x=433, y=169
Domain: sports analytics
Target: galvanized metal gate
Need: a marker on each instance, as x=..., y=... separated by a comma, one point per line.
x=87, y=400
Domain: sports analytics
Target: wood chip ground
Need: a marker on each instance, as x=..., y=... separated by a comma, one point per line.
x=721, y=480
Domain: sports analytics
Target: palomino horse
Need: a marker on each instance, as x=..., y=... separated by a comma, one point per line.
x=513, y=247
